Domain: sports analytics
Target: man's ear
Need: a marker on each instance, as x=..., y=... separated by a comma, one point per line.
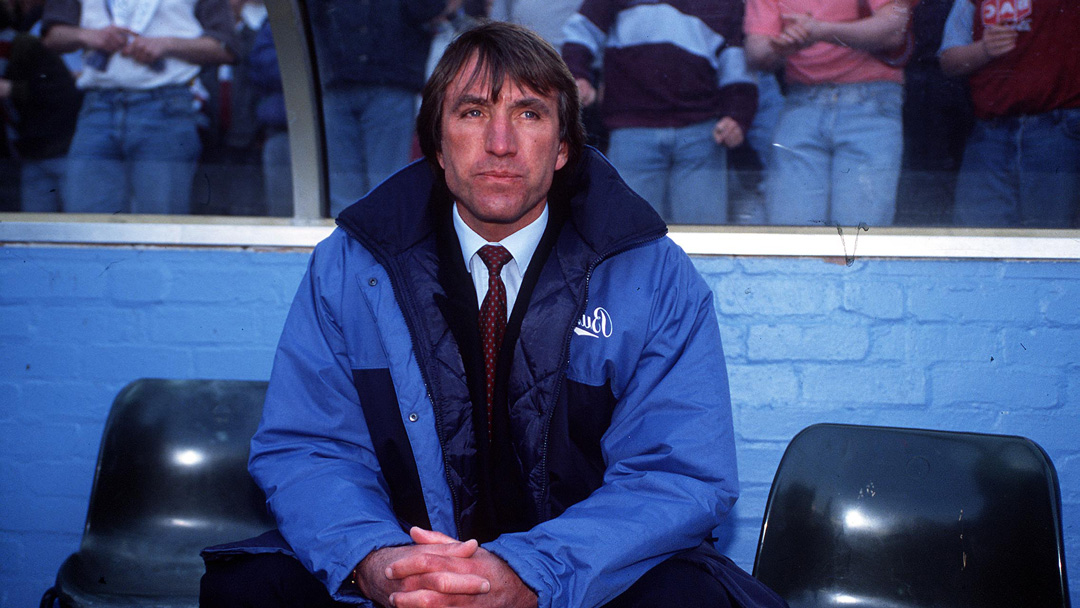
x=564, y=155
x=438, y=157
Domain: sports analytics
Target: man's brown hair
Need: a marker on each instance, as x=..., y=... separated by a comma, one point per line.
x=505, y=53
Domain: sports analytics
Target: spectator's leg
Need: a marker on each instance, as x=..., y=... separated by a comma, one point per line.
x=698, y=182
x=797, y=187
x=643, y=159
x=987, y=188
x=747, y=203
x=869, y=140
x=674, y=583
x=344, y=152
x=40, y=184
x=96, y=181
x=770, y=105
x=277, y=173
x=268, y=580
x=935, y=132
x=1050, y=169
x=387, y=124
x=162, y=147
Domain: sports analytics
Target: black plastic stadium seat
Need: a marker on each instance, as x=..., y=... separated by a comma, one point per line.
x=171, y=479
x=863, y=516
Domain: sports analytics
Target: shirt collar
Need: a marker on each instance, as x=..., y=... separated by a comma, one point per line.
x=522, y=244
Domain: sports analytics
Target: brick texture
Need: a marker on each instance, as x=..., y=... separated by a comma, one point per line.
x=959, y=345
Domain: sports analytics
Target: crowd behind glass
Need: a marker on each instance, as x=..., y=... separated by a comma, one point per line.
x=805, y=112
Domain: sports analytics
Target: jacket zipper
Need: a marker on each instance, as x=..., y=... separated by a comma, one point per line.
x=543, y=507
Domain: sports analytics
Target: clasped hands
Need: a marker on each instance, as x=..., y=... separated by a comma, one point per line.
x=998, y=40
x=801, y=30
x=116, y=39
x=441, y=572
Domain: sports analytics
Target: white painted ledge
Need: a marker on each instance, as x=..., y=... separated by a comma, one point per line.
x=849, y=243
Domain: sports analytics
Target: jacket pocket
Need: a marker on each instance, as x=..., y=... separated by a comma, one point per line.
x=575, y=456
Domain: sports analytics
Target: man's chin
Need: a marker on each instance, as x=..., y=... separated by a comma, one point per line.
x=494, y=209
x=496, y=205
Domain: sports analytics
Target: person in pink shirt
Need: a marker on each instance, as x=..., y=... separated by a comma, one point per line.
x=838, y=143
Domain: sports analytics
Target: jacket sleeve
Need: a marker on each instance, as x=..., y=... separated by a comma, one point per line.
x=217, y=22
x=738, y=88
x=584, y=36
x=670, y=474
x=312, y=454
x=263, y=68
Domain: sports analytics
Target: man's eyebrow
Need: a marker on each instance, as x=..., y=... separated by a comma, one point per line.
x=471, y=100
x=525, y=102
x=532, y=102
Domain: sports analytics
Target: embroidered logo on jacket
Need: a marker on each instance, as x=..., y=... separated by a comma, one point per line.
x=596, y=325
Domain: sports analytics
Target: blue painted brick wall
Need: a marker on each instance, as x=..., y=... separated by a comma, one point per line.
x=961, y=345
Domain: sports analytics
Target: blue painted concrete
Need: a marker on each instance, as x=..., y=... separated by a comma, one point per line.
x=961, y=345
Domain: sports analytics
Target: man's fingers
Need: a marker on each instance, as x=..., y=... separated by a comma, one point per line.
x=449, y=583
x=435, y=558
x=443, y=544
x=454, y=549
x=465, y=549
x=419, y=563
x=423, y=598
x=421, y=536
x=426, y=598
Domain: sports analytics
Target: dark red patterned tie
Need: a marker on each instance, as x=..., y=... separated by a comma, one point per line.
x=493, y=316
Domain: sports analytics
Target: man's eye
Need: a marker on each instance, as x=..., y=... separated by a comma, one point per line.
x=530, y=114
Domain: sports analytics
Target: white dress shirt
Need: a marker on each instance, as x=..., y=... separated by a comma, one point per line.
x=522, y=245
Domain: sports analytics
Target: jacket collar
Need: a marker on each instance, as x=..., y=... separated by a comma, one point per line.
x=603, y=210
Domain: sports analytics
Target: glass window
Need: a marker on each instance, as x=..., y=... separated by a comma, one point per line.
x=875, y=113
x=157, y=106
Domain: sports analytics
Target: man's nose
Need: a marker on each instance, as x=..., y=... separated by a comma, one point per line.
x=500, y=137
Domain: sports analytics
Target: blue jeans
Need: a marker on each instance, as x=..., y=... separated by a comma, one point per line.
x=836, y=155
x=1021, y=171
x=747, y=191
x=277, y=174
x=133, y=151
x=369, y=132
x=681, y=171
x=40, y=183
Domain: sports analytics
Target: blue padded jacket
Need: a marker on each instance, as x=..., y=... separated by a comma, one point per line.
x=618, y=398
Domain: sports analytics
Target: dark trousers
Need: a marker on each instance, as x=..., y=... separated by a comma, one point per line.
x=275, y=580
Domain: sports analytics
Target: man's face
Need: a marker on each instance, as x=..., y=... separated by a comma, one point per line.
x=499, y=156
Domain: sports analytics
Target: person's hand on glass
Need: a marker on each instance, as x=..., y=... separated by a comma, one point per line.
x=998, y=40
x=728, y=133
x=109, y=39
x=147, y=50
x=586, y=91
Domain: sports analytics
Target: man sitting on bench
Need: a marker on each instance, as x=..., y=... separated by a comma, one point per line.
x=500, y=383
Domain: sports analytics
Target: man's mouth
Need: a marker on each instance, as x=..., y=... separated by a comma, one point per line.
x=500, y=174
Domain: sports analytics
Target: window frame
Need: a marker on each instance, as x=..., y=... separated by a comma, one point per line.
x=307, y=226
